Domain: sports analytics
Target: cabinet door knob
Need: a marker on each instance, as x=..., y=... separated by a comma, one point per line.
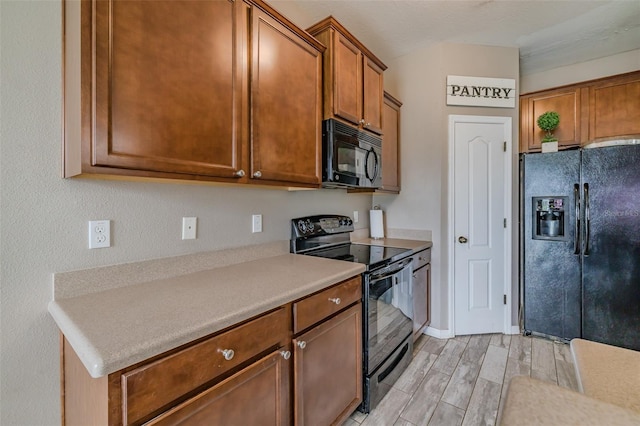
x=257, y=174
x=285, y=354
x=302, y=344
x=335, y=300
x=462, y=240
x=362, y=121
x=368, y=125
x=227, y=353
x=239, y=173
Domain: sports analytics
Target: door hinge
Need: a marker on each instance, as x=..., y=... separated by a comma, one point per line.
x=505, y=299
x=505, y=222
x=504, y=146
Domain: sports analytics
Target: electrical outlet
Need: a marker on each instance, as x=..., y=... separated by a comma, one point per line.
x=256, y=223
x=99, y=234
x=189, y=228
x=355, y=216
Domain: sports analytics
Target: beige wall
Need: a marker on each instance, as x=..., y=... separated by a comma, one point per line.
x=419, y=81
x=603, y=67
x=43, y=218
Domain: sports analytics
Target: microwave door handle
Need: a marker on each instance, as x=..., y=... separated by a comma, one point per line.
x=366, y=165
x=376, y=166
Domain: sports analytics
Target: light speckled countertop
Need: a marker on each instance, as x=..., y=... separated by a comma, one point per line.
x=414, y=245
x=115, y=328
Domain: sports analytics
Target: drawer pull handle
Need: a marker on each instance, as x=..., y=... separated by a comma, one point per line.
x=227, y=353
x=335, y=300
x=302, y=344
x=285, y=354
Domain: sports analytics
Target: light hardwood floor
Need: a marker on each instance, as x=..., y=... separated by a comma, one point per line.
x=463, y=381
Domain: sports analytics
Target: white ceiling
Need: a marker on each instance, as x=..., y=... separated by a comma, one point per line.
x=549, y=33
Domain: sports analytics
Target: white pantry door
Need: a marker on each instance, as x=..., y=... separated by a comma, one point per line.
x=481, y=202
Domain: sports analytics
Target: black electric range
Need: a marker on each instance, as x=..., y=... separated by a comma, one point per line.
x=328, y=236
x=387, y=298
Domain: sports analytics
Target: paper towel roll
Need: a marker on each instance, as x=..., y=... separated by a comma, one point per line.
x=376, y=225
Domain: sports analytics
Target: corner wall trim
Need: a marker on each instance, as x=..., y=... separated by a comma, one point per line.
x=439, y=334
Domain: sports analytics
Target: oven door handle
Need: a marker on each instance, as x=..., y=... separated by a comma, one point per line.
x=384, y=274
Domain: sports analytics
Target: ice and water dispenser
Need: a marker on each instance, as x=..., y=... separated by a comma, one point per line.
x=549, y=220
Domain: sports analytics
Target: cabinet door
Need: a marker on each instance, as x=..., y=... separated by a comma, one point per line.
x=257, y=395
x=168, y=86
x=391, y=144
x=328, y=370
x=347, y=79
x=566, y=102
x=614, y=108
x=421, y=300
x=372, y=94
x=286, y=100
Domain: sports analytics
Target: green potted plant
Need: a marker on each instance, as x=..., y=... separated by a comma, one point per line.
x=548, y=122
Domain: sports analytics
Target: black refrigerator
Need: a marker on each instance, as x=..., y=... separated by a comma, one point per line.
x=580, y=244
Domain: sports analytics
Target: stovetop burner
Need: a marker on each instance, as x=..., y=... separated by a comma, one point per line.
x=371, y=256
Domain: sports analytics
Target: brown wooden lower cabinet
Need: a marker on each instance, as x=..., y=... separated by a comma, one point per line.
x=328, y=370
x=256, y=395
x=238, y=376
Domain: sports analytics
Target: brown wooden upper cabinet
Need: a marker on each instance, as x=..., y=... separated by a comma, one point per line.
x=391, y=144
x=596, y=110
x=353, y=77
x=565, y=102
x=614, y=107
x=168, y=90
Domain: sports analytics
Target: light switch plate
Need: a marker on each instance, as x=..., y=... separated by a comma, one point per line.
x=355, y=216
x=189, y=227
x=256, y=223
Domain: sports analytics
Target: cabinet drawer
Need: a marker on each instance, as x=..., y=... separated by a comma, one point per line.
x=153, y=386
x=421, y=259
x=257, y=395
x=313, y=309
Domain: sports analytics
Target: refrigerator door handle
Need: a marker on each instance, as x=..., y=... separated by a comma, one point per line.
x=587, y=220
x=576, y=236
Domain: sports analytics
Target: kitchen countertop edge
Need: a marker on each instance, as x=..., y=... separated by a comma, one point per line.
x=120, y=327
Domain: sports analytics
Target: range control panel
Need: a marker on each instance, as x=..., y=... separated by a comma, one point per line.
x=312, y=226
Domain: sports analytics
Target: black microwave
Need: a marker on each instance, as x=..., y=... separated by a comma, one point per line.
x=350, y=157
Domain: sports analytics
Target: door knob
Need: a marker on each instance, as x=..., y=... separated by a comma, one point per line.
x=462, y=240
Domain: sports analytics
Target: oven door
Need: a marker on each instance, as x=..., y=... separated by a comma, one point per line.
x=389, y=311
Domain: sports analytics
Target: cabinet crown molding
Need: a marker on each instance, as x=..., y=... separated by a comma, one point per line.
x=331, y=23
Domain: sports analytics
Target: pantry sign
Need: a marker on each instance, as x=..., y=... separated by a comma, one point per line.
x=481, y=91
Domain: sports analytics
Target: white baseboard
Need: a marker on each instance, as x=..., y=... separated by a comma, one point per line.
x=447, y=334
x=438, y=334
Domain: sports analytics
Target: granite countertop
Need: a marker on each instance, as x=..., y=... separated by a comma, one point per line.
x=415, y=245
x=118, y=327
